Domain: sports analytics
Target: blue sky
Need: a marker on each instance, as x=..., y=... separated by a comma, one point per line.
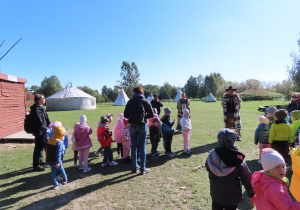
x=85, y=42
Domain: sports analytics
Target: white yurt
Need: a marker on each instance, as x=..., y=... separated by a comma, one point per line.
x=70, y=98
x=150, y=97
x=178, y=96
x=122, y=99
x=209, y=98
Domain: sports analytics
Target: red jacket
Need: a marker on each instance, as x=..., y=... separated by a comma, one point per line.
x=104, y=136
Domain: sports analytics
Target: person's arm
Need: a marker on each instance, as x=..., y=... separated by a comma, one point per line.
x=256, y=135
x=126, y=111
x=245, y=176
x=160, y=104
x=272, y=134
x=90, y=131
x=291, y=135
x=148, y=109
x=59, y=148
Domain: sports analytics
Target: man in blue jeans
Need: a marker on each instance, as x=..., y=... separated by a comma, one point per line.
x=138, y=110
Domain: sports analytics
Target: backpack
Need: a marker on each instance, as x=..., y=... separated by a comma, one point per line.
x=28, y=123
x=167, y=130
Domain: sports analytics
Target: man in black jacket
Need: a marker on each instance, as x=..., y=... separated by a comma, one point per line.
x=155, y=103
x=138, y=110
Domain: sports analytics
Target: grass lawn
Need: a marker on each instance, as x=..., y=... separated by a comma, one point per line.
x=171, y=184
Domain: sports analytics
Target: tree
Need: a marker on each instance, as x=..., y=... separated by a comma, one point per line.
x=92, y=92
x=201, y=86
x=213, y=82
x=130, y=77
x=167, y=91
x=154, y=89
x=294, y=71
x=192, y=87
x=50, y=85
x=253, y=84
x=35, y=89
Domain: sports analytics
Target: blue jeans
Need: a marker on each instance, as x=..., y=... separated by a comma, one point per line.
x=55, y=171
x=138, y=135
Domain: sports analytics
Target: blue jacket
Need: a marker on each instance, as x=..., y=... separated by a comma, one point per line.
x=262, y=134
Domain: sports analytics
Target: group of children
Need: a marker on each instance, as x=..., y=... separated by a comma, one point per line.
x=121, y=132
x=267, y=189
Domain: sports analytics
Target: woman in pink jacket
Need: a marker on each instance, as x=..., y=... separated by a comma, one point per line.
x=118, y=129
x=270, y=184
x=83, y=142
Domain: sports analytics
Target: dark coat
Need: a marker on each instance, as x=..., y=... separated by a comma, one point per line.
x=40, y=119
x=138, y=110
x=262, y=134
x=157, y=105
x=293, y=105
x=225, y=182
x=154, y=134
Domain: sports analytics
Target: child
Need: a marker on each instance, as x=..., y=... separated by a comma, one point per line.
x=167, y=130
x=154, y=138
x=280, y=136
x=83, y=142
x=269, y=113
x=54, y=153
x=295, y=182
x=227, y=171
x=126, y=141
x=98, y=153
x=262, y=135
x=186, y=126
x=104, y=137
x=65, y=138
x=118, y=129
x=295, y=117
x=74, y=146
x=155, y=116
x=270, y=184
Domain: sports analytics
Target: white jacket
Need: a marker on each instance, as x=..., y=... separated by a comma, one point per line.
x=186, y=124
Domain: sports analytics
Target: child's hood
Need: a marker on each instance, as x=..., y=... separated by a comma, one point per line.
x=217, y=166
x=102, y=125
x=58, y=134
x=261, y=181
x=82, y=128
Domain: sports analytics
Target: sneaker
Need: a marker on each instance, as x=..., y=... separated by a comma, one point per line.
x=144, y=171
x=57, y=186
x=87, y=170
x=189, y=149
x=75, y=164
x=80, y=168
x=138, y=160
x=104, y=164
x=59, y=178
x=187, y=152
x=119, y=156
x=98, y=154
x=135, y=170
x=259, y=161
x=171, y=154
x=42, y=163
x=154, y=156
x=113, y=163
x=65, y=182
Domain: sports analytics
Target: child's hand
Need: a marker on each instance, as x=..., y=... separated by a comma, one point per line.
x=174, y=120
x=57, y=165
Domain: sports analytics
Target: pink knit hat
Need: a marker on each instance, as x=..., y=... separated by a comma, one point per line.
x=270, y=158
x=264, y=120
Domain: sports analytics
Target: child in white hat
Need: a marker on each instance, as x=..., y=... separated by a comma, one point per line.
x=270, y=184
x=186, y=126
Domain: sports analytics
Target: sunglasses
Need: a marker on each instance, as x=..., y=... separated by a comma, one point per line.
x=295, y=97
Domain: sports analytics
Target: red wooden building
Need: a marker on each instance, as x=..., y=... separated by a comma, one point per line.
x=12, y=104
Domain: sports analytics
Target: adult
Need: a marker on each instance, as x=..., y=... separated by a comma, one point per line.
x=40, y=124
x=138, y=110
x=295, y=103
x=231, y=103
x=182, y=103
x=155, y=103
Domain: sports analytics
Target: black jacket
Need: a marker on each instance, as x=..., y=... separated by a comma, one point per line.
x=293, y=105
x=138, y=110
x=40, y=119
x=157, y=105
x=225, y=181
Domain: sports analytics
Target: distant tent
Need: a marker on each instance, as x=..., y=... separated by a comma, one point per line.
x=178, y=96
x=150, y=97
x=209, y=98
x=70, y=98
x=122, y=99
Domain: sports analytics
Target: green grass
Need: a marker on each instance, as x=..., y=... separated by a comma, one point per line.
x=171, y=184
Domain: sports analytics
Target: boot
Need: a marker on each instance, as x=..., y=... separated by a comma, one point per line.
x=239, y=134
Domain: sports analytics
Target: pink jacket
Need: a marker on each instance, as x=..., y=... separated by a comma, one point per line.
x=82, y=137
x=271, y=194
x=118, y=129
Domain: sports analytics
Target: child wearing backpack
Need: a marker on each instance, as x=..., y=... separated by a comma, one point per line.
x=295, y=117
x=167, y=130
x=262, y=135
x=105, y=138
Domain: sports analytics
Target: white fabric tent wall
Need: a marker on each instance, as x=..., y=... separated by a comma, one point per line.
x=209, y=98
x=70, y=98
x=122, y=99
x=178, y=96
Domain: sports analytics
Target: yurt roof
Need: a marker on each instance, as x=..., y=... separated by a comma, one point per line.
x=70, y=92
